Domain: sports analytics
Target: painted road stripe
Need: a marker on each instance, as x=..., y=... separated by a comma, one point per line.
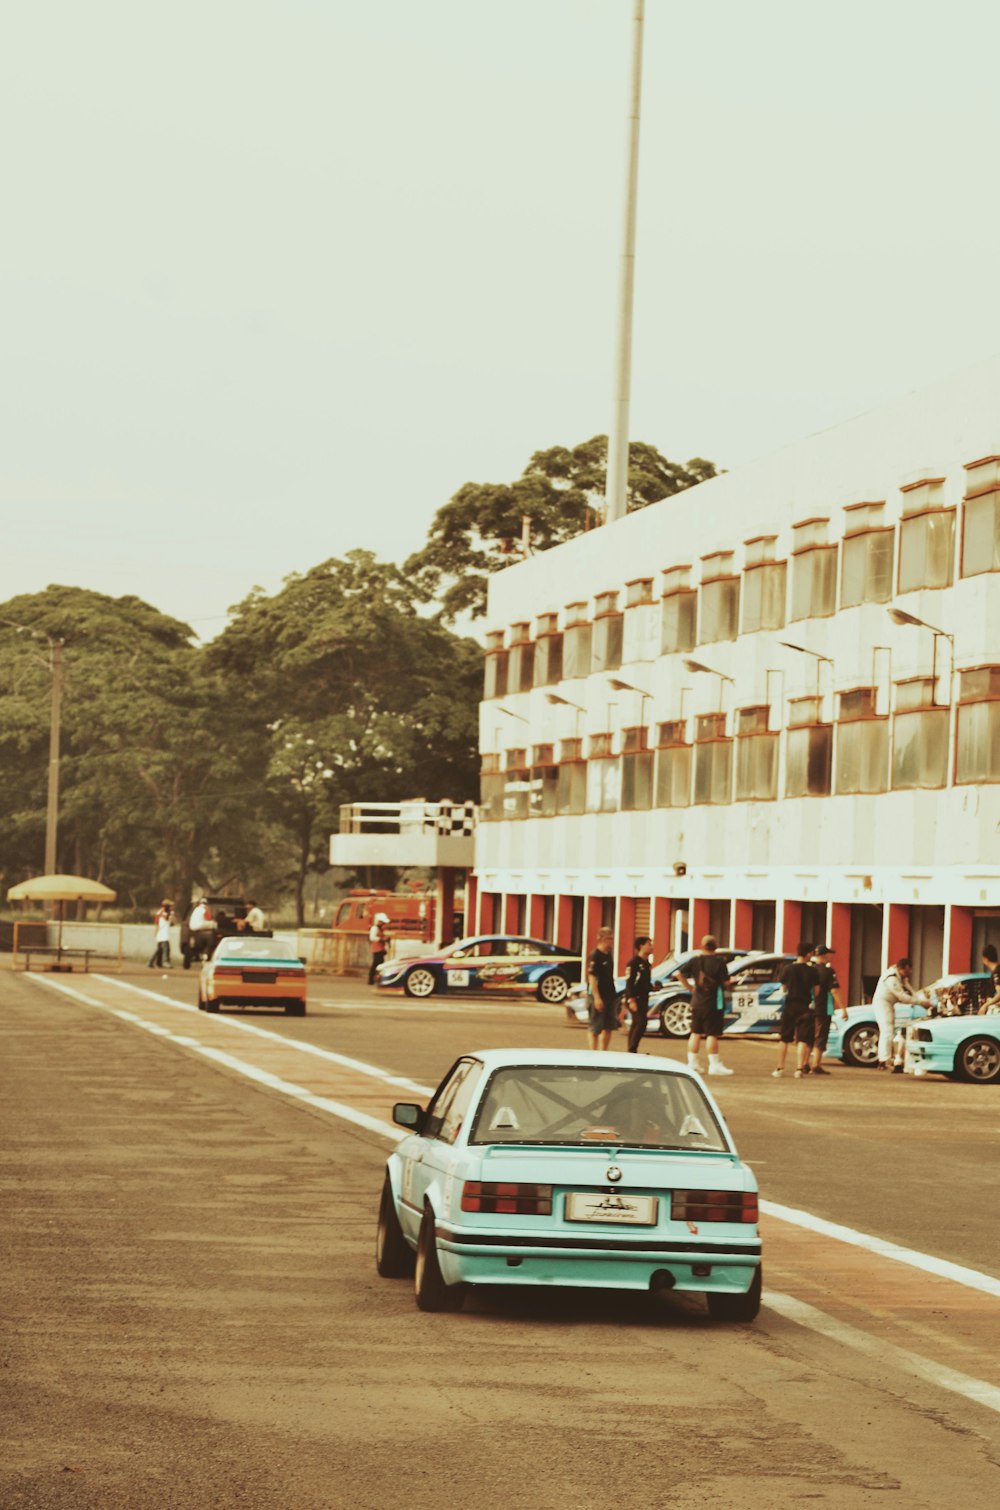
x=884, y=1352
x=972, y=1279
x=250, y=1071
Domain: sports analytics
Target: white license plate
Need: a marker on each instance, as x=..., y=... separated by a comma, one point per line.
x=744, y=1001
x=632, y=1210
x=458, y=977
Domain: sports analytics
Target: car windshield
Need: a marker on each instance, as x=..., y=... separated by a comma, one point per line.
x=579, y=1107
x=253, y=948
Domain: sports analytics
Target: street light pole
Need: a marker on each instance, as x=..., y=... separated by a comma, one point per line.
x=616, y=486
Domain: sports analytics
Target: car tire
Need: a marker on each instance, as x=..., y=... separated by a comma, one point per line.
x=394, y=1258
x=675, y=1019
x=420, y=983
x=211, y=1005
x=727, y=1307
x=553, y=988
x=978, y=1061
x=860, y=1046
x=432, y=1294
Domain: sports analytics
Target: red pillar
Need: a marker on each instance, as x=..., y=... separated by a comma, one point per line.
x=839, y=928
x=471, y=924
x=564, y=921
x=698, y=924
x=958, y=931
x=897, y=933
x=488, y=911
x=791, y=927
x=741, y=930
x=626, y=932
x=536, y=917
x=663, y=918
x=446, y=904
x=591, y=924
x=511, y=906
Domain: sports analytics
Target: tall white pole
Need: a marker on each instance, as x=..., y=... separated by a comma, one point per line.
x=615, y=496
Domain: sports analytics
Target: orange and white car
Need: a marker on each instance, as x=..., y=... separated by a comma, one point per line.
x=252, y=971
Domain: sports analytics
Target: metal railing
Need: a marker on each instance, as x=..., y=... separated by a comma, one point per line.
x=445, y=819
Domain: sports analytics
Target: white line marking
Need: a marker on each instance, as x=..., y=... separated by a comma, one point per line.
x=971, y=1278
x=885, y=1352
x=249, y=1071
x=359, y=1065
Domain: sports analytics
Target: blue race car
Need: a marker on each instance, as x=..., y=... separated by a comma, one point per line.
x=966, y=1047
x=498, y=962
x=663, y=984
x=754, y=998
x=540, y=1167
x=856, y=1040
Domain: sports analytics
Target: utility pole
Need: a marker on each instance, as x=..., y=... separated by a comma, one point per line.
x=52, y=810
x=615, y=496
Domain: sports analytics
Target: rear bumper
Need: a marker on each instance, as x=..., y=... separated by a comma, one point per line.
x=473, y=1257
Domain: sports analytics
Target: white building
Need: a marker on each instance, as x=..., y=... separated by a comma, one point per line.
x=847, y=790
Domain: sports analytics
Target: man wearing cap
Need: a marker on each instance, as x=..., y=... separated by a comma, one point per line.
x=377, y=942
x=823, y=1007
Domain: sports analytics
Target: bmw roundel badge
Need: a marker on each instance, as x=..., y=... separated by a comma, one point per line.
x=614, y=1174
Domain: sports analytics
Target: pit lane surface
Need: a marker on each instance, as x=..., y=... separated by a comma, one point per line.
x=196, y=1319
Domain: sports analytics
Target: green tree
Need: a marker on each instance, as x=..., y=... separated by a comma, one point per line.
x=561, y=491
x=348, y=694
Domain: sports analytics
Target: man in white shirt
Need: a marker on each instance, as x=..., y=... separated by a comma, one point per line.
x=894, y=986
x=256, y=920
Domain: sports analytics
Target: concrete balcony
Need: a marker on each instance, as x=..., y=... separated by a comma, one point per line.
x=431, y=834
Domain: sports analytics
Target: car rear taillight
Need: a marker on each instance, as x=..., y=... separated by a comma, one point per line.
x=517, y=1200
x=714, y=1206
x=228, y=970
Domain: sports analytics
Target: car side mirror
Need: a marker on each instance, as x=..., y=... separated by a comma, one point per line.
x=409, y=1114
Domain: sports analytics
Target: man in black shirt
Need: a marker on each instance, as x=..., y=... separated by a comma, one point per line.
x=708, y=976
x=637, y=991
x=828, y=999
x=603, y=996
x=989, y=958
x=801, y=986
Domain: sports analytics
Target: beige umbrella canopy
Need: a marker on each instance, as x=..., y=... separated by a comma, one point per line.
x=61, y=889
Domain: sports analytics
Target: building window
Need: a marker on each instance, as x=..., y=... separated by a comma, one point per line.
x=517, y=780
x=808, y=750
x=521, y=670
x=814, y=582
x=606, y=642
x=920, y=748
x=862, y=760
x=639, y=639
x=720, y=610
x=673, y=766
x=713, y=759
x=548, y=658
x=576, y=642
x=756, y=756
x=639, y=590
x=572, y=787
x=603, y=776
x=637, y=771
x=495, y=684
x=678, y=613
x=764, y=597
x=978, y=752
x=491, y=788
x=981, y=517
x=866, y=568
x=926, y=550
x=543, y=797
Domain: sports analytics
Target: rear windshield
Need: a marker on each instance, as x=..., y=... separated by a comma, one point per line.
x=253, y=948
x=578, y=1107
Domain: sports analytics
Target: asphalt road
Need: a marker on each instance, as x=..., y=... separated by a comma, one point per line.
x=192, y=1317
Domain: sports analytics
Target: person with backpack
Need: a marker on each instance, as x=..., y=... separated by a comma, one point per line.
x=705, y=977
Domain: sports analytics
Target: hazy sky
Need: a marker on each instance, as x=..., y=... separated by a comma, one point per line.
x=280, y=275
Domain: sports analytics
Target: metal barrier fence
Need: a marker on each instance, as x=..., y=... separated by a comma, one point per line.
x=67, y=946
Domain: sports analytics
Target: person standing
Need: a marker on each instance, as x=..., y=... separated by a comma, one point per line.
x=800, y=982
x=893, y=988
x=989, y=959
x=377, y=942
x=603, y=996
x=256, y=921
x=637, y=990
x=827, y=1001
x=705, y=977
x=162, y=921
